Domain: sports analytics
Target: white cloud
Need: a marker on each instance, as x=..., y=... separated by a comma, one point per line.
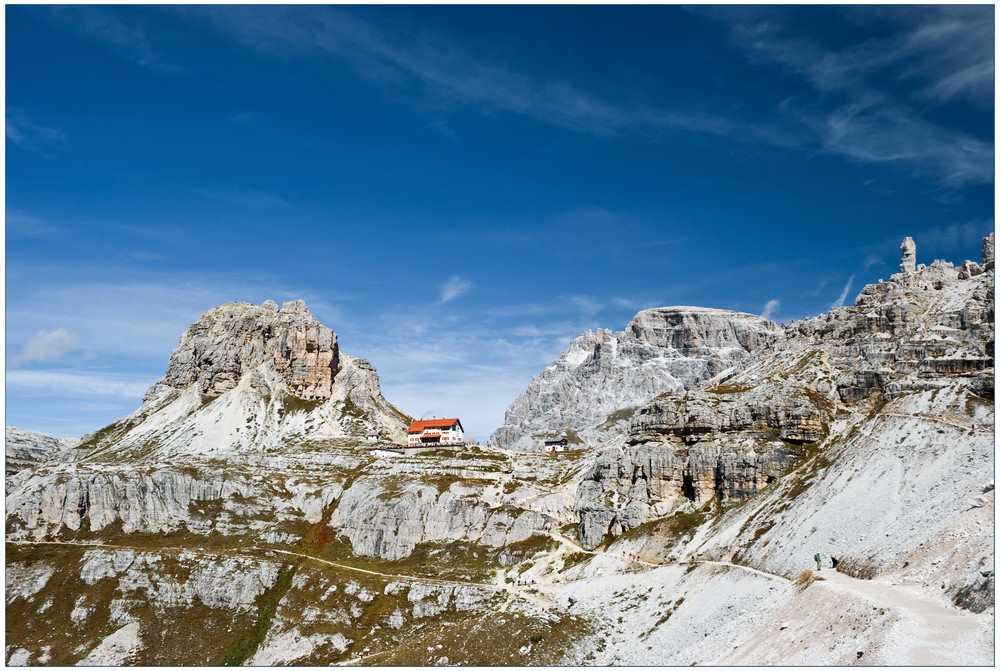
x=871, y=261
x=843, y=294
x=453, y=288
x=886, y=133
x=27, y=134
x=585, y=304
x=87, y=384
x=938, y=55
x=28, y=225
x=47, y=346
x=770, y=308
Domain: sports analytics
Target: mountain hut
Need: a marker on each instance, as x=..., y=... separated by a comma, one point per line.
x=431, y=432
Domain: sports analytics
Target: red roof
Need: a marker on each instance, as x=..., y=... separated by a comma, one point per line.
x=421, y=424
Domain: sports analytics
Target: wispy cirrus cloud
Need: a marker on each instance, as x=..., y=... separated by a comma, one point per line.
x=455, y=75
x=453, y=288
x=86, y=384
x=29, y=134
x=937, y=55
x=124, y=32
x=873, y=93
x=28, y=225
x=451, y=72
x=884, y=133
x=871, y=261
x=843, y=294
x=955, y=236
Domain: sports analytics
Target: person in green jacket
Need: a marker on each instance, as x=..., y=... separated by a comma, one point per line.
x=819, y=562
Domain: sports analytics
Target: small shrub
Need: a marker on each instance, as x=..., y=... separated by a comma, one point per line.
x=804, y=579
x=863, y=569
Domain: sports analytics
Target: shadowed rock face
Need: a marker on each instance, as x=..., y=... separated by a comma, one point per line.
x=231, y=340
x=662, y=349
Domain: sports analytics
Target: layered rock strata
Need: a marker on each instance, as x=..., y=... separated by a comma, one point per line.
x=661, y=350
x=927, y=329
x=235, y=339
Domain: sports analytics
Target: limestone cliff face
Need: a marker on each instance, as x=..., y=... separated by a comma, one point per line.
x=254, y=379
x=661, y=350
x=927, y=329
x=385, y=522
x=233, y=340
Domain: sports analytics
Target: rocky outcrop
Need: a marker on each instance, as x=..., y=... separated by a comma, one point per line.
x=52, y=505
x=927, y=329
x=24, y=449
x=908, y=265
x=686, y=450
x=389, y=519
x=248, y=379
x=235, y=339
x=595, y=384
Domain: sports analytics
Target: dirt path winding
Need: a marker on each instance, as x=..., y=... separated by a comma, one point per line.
x=939, y=629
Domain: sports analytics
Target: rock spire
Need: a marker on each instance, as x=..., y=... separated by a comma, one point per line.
x=908, y=265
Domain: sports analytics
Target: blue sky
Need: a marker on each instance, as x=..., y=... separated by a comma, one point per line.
x=460, y=191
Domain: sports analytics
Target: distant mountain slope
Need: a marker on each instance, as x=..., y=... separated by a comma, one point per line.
x=661, y=350
x=25, y=448
x=880, y=397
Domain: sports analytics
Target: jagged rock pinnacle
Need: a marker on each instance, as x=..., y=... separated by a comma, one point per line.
x=908, y=265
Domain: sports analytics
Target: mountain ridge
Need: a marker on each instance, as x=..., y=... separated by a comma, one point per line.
x=686, y=536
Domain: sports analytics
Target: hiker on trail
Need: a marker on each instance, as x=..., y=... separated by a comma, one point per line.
x=834, y=561
x=819, y=562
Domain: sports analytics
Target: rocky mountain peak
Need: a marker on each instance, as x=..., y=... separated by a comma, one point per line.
x=926, y=333
x=234, y=339
x=695, y=331
x=249, y=379
x=661, y=349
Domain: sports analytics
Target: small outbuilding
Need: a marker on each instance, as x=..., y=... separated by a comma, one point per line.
x=555, y=445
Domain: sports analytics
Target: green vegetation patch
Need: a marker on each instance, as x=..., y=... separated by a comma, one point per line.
x=456, y=560
x=490, y=639
x=575, y=559
x=183, y=634
x=111, y=432
x=667, y=530
x=267, y=605
x=729, y=389
x=294, y=404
